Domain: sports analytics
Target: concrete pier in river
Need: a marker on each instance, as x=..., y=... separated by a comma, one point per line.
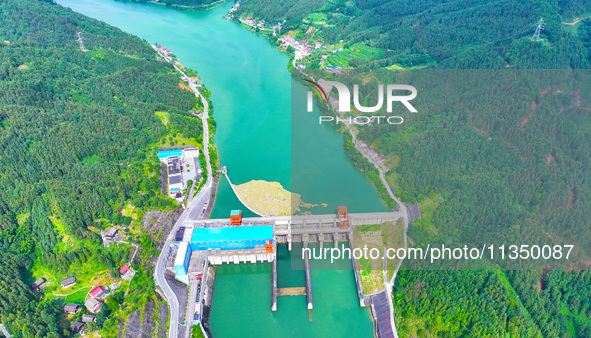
x=308, y=280
x=274, y=284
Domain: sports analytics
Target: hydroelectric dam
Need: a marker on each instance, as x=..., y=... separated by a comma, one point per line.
x=200, y=245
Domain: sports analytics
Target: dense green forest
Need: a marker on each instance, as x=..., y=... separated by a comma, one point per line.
x=486, y=162
x=77, y=143
x=501, y=153
x=448, y=34
x=493, y=156
x=493, y=304
x=459, y=303
x=495, y=164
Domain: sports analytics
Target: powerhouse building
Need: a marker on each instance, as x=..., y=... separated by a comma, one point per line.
x=232, y=238
x=181, y=263
x=235, y=244
x=247, y=244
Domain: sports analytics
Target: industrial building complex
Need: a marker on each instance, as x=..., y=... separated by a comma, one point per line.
x=199, y=245
x=251, y=240
x=182, y=165
x=233, y=243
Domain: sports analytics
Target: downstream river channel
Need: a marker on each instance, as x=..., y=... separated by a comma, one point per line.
x=255, y=134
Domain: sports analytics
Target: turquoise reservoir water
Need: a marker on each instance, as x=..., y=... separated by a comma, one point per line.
x=243, y=309
x=252, y=105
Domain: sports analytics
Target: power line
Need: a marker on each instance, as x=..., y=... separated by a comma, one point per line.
x=536, y=36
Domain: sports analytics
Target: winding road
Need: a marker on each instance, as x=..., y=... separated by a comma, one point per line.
x=404, y=215
x=193, y=211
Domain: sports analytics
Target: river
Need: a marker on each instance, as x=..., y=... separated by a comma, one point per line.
x=257, y=138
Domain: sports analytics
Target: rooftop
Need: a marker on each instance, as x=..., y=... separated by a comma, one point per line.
x=92, y=304
x=235, y=213
x=174, y=179
x=76, y=326
x=111, y=232
x=181, y=253
x=88, y=318
x=174, y=166
x=168, y=153
x=123, y=269
x=97, y=290
x=71, y=308
x=68, y=280
x=232, y=234
x=38, y=282
x=180, y=234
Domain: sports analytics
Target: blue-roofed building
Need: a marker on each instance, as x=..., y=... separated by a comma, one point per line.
x=233, y=238
x=181, y=262
x=163, y=155
x=182, y=165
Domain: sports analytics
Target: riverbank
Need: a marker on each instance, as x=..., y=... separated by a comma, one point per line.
x=184, y=7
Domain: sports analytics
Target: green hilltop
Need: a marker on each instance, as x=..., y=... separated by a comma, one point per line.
x=79, y=131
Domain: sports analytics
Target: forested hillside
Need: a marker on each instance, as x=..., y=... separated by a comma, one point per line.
x=486, y=163
x=449, y=34
x=78, y=135
x=505, y=165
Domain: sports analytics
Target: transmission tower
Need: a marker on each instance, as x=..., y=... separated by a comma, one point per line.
x=536, y=36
